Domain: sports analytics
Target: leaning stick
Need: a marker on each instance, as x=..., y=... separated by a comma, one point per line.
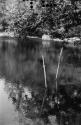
x=44, y=69
x=45, y=80
x=58, y=67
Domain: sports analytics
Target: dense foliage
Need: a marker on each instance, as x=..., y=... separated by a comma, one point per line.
x=61, y=18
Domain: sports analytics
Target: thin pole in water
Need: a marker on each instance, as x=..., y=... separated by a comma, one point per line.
x=61, y=51
x=45, y=80
x=44, y=69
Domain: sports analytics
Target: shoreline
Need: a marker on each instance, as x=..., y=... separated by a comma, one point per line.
x=6, y=34
x=67, y=40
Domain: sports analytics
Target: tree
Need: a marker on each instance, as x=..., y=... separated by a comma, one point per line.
x=2, y=6
x=55, y=16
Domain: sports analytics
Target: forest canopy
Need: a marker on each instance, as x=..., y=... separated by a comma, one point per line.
x=61, y=18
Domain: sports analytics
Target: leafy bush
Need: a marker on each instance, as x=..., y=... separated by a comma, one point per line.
x=49, y=16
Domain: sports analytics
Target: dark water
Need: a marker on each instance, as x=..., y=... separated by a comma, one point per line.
x=22, y=87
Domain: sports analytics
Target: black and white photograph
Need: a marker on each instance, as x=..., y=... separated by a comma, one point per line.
x=40, y=62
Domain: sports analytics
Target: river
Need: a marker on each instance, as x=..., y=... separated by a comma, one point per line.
x=22, y=86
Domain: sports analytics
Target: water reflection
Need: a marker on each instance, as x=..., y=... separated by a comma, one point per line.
x=7, y=110
x=28, y=104
x=23, y=71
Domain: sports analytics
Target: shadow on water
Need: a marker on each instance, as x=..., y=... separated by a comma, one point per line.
x=21, y=66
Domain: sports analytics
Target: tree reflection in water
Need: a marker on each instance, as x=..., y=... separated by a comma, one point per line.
x=28, y=102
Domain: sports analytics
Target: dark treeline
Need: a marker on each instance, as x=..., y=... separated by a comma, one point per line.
x=59, y=18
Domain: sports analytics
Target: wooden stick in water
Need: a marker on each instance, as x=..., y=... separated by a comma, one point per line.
x=45, y=78
x=58, y=67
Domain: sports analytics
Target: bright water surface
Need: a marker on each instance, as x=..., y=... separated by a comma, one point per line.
x=8, y=115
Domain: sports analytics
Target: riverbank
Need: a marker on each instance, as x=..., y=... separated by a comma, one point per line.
x=69, y=42
x=72, y=42
x=11, y=34
x=6, y=34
